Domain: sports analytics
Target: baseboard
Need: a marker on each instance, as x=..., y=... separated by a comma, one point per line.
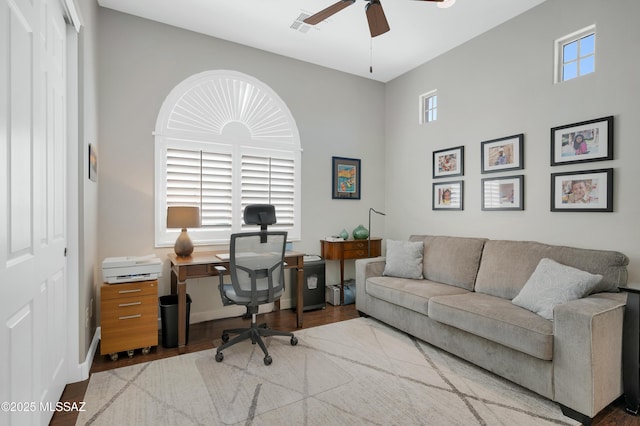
x=80, y=372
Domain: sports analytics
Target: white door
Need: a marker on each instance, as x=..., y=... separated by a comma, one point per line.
x=33, y=282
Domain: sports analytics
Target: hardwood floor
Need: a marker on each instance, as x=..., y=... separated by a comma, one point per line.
x=206, y=335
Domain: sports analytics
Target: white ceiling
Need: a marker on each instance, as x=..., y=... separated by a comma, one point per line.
x=420, y=30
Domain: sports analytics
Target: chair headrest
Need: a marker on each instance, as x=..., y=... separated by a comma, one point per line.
x=260, y=214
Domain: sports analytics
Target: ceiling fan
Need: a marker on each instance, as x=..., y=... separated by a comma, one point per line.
x=375, y=15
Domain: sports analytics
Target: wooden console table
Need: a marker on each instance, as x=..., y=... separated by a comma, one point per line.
x=631, y=349
x=203, y=264
x=349, y=249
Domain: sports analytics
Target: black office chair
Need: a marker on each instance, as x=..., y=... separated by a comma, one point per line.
x=256, y=266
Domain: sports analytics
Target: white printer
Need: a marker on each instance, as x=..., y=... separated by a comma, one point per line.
x=132, y=268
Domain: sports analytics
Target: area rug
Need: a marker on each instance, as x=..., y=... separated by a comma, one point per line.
x=356, y=372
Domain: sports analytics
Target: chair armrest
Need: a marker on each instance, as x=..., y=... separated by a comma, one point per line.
x=587, y=352
x=221, y=271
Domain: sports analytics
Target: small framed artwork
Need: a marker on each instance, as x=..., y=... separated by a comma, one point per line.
x=93, y=163
x=582, y=142
x=502, y=154
x=448, y=162
x=448, y=195
x=503, y=193
x=346, y=178
x=584, y=191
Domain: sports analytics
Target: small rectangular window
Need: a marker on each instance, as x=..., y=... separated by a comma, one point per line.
x=575, y=54
x=428, y=107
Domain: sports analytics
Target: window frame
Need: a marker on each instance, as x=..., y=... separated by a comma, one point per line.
x=281, y=140
x=424, y=110
x=559, y=45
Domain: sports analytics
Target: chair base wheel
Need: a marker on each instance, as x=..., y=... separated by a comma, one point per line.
x=294, y=341
x=268, y=360
x=219, y=356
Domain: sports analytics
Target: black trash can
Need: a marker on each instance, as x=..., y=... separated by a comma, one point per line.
x=169, y=320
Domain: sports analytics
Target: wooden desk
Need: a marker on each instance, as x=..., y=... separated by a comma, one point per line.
x=202, y=264
x=348, y=249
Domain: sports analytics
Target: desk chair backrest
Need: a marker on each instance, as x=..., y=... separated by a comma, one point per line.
x=256, y=265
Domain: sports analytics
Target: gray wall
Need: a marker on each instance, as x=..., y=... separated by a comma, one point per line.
x=500, y=84
x=141, y=61
x=496, y=85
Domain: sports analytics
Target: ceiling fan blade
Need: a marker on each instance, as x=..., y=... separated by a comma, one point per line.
x=329, y=11
x=377, y=21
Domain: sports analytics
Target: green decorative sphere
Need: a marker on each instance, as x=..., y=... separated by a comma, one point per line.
x=344, y=234
x=360, y=233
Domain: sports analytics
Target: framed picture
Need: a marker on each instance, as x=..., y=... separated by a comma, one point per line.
x=448, y=162
x=584, y=191
x=346, y=178
x=503, y=193
x=502, y=154
x=93, y=163
x=582, y=142
x=448, y=195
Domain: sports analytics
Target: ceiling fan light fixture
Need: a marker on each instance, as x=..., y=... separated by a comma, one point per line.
x=446, y=4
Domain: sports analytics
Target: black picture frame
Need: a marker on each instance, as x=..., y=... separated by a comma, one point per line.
x=503, y=193
x=345, y=182
x=455, y=200
x=503, y=154
x=448, y=162
x=582, y=191
x=597, y=142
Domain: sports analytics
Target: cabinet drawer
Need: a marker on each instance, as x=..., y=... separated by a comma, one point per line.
x=355, y=254
x=354, y=245
x=137, y=289
x=116, y=310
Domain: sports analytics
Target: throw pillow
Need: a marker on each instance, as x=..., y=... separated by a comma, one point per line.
x=552, y=284
x=404, y=259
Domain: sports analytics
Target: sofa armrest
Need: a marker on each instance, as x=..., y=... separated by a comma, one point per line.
x=367, y=268
x=587, y=352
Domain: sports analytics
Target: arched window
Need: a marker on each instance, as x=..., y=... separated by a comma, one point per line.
x=224, y=140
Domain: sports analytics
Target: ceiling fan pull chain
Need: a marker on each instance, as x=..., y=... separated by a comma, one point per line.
x=371, y=55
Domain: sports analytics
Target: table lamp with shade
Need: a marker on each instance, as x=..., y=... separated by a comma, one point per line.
x=183, y=217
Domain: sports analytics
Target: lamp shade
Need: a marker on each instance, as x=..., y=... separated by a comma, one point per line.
x=183, y=217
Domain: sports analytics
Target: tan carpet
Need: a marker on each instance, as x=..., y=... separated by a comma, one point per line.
x=353, y=372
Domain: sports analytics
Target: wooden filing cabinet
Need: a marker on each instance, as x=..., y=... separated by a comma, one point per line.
x=349, y=249
x=129, y=317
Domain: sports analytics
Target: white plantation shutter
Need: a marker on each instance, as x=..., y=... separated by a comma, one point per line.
x=270, y=180
x=202, y=161
x=203, y=179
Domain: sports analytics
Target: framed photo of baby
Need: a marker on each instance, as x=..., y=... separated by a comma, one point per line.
x=502, y=154
x=448, y=162
x=582, y=191
x=582, y=142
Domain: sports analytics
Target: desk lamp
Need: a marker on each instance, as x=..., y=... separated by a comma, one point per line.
x=371, y=209
x=183, y=217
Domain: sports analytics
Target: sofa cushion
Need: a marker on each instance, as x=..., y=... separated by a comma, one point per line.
x=451, y=260
x=496, y=319
x=552, y=284
x=507, y=265
x=404, y=259
x=408, y=293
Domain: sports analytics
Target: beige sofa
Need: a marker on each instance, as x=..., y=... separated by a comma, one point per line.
x=463, y=304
